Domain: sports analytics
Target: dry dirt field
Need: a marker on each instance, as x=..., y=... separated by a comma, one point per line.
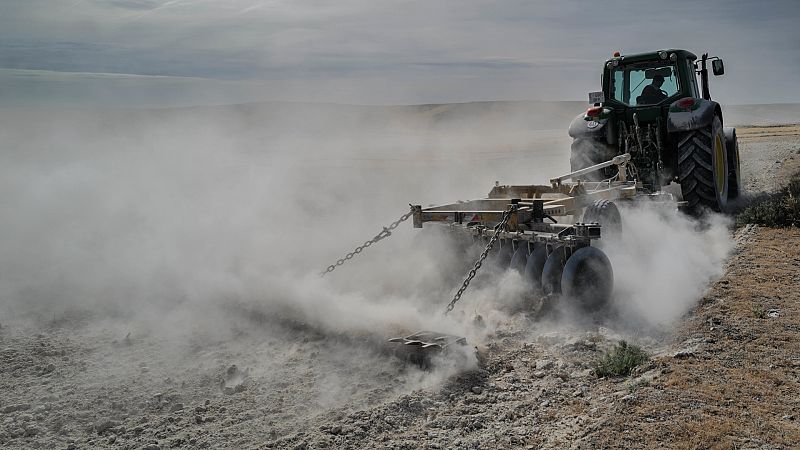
x=727, y=377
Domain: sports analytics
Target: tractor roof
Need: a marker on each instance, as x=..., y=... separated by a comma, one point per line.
x=640, y=57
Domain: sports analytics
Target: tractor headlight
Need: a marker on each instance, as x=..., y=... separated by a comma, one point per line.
x=662, y=54
x=673, y=57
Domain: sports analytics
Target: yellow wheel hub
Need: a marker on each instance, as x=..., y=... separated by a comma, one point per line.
x=719, y=153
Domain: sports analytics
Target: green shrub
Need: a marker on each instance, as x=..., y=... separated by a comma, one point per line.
x=777, y=210
x=759, y=312
x=621, y=360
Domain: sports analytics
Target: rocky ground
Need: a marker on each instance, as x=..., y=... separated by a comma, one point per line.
x=727, y=377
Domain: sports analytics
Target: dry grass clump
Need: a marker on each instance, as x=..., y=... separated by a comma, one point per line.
x=777, y=210
x=621, y=360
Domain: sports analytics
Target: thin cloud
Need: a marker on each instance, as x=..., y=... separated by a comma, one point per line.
x=556, y=48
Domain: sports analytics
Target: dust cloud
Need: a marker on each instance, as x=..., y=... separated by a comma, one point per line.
x=197, y=226
x=664, y=261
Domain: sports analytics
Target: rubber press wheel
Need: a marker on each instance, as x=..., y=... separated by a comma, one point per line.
x=606, y=213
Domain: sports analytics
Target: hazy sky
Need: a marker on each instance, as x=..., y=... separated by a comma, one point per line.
x=374, y=51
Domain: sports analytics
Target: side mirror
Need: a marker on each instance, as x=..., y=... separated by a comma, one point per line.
x=718, y=67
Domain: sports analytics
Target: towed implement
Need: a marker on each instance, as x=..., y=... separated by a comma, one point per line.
x=533, y=229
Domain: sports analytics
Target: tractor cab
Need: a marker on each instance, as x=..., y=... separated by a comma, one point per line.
x=646, y=83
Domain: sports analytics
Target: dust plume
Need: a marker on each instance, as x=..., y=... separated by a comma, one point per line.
x=664, y=261
x=203, y=231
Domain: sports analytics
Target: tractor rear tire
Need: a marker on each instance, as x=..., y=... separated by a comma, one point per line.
x=703, y=168
x=586, y=152
x=734, y=169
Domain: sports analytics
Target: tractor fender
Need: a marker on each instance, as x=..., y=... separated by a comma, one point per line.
x=698, y=115
x=582, y=128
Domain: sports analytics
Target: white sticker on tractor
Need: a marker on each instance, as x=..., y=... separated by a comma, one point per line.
x=596, y=97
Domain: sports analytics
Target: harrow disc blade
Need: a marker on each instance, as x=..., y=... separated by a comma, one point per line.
x=520, y=258
x=535, y=264
x=503, y=256
x=588, y=278
x=551, y=273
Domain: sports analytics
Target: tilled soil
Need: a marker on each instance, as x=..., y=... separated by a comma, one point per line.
x=727, y=377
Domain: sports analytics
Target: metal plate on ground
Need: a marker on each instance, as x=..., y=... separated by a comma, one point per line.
x=420, y=347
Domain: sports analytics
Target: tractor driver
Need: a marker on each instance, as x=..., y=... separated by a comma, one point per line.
x=652, y=93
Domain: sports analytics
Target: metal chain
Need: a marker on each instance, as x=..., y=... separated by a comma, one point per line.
x=479, y=262
x=386, y=232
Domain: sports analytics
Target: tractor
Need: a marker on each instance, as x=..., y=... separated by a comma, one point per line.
x=652, y=107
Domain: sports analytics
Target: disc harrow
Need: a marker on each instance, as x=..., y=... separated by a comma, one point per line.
x=548, y=233
x=541, y=239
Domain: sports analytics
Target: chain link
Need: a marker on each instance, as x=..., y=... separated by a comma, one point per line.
x=386, y=232
x=479, y=262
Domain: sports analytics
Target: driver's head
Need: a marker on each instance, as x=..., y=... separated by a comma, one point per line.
x=658, y=80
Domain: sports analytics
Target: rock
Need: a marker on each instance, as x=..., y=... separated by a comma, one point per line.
x=176, y=407
x=112, y=439
x=336, y=429
x=788, y=417
x=15, y=408
x=151, y=447
x=545, y=404
x=228, y=390
x=31, y=431
x=581, y=373
x=105, y=425
x=684, y=353
x=544, y=364
x=773, y=313
x=477, y=390
x=539, y=374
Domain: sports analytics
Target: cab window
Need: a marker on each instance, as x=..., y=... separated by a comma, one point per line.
x=695, y=91
x=638, y=85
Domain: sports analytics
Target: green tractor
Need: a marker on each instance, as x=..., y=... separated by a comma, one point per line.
x=652, y=107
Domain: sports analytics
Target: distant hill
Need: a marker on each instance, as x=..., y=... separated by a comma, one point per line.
x=533, y=115
x=312, y=118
